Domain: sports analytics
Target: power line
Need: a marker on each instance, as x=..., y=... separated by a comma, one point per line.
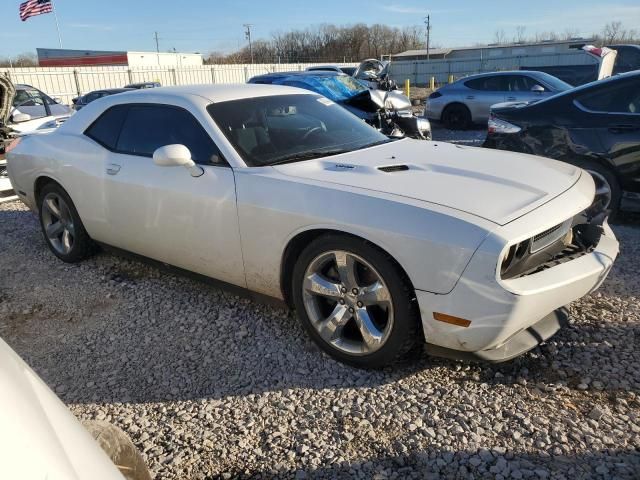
x=427, y=22
x=247, y=34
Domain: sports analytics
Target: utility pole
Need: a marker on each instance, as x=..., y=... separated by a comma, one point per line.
x=155, y=36
x=427, y=22
x=247, y=34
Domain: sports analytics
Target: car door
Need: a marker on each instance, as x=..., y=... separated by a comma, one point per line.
x=613, y=112
x=56, y=109
x=165, y=213
x=482, y=93
x=519, y=88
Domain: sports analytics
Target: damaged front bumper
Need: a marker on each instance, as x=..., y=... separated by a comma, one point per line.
x=509, y=316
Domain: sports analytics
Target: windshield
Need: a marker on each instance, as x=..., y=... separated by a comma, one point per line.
x=335, y=87
x=291, y=128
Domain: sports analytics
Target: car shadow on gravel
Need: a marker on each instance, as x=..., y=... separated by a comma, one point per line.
x=136, y=333
x=436, y=464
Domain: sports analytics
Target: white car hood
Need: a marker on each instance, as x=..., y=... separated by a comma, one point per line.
x=40, y=439
x=495, y=185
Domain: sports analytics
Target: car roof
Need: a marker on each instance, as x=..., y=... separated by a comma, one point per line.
x=212, y=93
x=501, y=73
x=113, y=90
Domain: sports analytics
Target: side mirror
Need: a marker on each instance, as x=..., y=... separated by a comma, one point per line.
x=176, y=155
x=20, y=117
x=537, y=89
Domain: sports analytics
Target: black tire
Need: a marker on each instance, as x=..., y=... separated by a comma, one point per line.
x=120, y=450
x=83, y=247
x=405, y=335
x=456, y=117
x=601, y=174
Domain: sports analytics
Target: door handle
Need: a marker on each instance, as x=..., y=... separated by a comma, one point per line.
x=113, y=168
x=511, y=99
x=470, y=97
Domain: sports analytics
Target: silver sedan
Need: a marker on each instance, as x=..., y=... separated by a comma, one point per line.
x=468, y=100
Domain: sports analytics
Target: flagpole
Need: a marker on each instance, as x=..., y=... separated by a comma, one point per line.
x=55, y=15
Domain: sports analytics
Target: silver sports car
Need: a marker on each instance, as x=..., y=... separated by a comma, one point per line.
x=468, y=100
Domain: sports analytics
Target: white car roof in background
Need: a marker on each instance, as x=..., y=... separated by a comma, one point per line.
x=213, y=93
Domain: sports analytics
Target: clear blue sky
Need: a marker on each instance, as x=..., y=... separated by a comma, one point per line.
x=216, y=25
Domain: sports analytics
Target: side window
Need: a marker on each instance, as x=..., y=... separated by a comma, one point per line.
x=91, y=97
x=148, y=127
x=476, y=84
x=520, y=83
x=20, y=97
x=619, y=99
x=106, y=128
x=490, y=84
x=28, y=98
x=628, y=59
x=495, y=84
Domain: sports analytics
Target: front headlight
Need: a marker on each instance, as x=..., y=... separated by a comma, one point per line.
x=424, y=125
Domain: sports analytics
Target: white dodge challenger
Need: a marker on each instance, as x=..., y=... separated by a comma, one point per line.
x=380, y=245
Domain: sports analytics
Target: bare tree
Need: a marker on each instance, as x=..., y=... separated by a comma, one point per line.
x=520, y=33
x=612, y=32
x=499, y=36
x=570, y=33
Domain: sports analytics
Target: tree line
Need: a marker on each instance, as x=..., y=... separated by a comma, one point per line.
x=327, y=43
x=612, y=33
x=353, y=43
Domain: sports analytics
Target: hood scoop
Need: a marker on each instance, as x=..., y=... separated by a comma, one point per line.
x=394, y=168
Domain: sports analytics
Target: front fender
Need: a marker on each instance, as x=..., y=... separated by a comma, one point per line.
x=430, y=243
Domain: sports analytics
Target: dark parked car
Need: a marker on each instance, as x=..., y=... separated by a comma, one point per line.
x=80, y=102
x=595, y=126
x=389, y=112
x=141, y=85
x=332, y=68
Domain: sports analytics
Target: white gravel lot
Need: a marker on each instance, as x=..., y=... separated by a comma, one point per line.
x=210, y=385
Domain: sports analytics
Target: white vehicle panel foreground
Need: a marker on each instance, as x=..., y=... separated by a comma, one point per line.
x=39, y=437
x=366, y=241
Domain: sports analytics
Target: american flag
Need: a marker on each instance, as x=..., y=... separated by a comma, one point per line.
x=31, y=8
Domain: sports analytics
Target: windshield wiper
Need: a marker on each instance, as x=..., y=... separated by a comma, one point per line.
x=296, y=157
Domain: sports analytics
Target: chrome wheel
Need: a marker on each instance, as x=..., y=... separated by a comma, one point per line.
x=603, y=189
x=347, y=302
x=58, y=223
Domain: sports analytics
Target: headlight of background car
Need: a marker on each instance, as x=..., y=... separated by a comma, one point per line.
x=424, y=125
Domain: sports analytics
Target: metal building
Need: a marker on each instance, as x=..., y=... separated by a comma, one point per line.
x=55, y=57
x=442, y=63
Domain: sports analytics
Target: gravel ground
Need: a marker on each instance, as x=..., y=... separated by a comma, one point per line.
x=210, y=385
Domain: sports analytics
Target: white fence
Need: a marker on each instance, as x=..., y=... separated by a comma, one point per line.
x=69, y=82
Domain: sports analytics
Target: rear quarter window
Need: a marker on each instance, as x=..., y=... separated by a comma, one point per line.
x=106, y=129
